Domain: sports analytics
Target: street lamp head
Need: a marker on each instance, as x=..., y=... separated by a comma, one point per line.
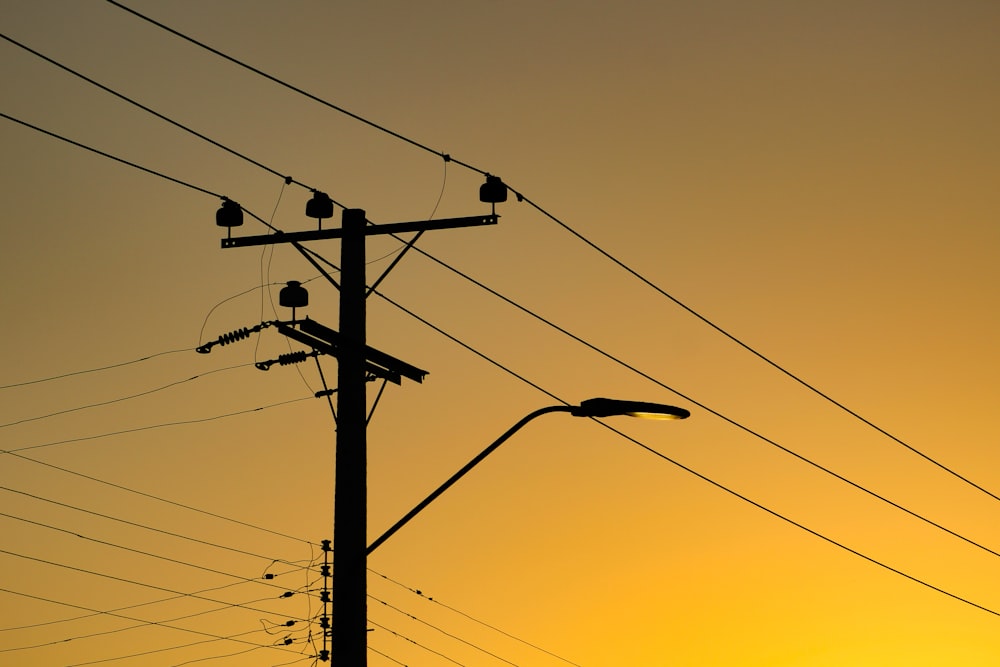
x=610, y=407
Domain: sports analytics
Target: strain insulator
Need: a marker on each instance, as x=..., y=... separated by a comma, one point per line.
x=292, y=358
x=233, y=336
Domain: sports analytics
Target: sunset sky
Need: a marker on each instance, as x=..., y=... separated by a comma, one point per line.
x=782, y=216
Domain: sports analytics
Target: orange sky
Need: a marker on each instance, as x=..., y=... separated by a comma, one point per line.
x=817, y=180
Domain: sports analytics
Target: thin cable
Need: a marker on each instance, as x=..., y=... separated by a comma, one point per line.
x=130, y=581
x=141, y=552
x=95, y=370
x=521, y=197
x=151, y=496
x=125, y=98
x=300, y=91
x=415, y=643
x=141, y=623
x=121, y=399
x=441, y=630
x=753, y=351
x=420, y=594
x=112, y=157
x=154, y=426
x=703, y=406
x=699, y=475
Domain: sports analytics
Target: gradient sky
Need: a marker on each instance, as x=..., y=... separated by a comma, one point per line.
x=819, y=180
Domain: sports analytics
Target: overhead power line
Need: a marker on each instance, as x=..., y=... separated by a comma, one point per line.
x=312, y=256
x=150, y=427
x=421, y=595
x=121, y=399
x=578, y=235
x=99, y=368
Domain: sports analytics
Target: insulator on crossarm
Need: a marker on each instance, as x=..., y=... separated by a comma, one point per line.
x=292, y=358
x=233, y=336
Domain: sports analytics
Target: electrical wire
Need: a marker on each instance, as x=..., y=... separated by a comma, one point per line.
x=522, y=198
x=139, y=583
x=140, y=551
x=308, y=254
x=421, y=595
x=415, y=643
x=112, y=157
x=157, y=623
x=95, y=370
x=143, y=526
x=155, y=426
x=121, y=399
x=692, y=471
x=125, y=98
x=442, y=631
x=142, y=623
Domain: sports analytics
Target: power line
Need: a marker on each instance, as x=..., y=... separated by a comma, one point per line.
x=141, y=552
x=142, y=623
x=444, y=632
x=581, y=237
x=121, y=399
x=309, y=254
x=420, y=594
x=121, y=487
x=416, y=643
x=146, y=109
x=111, y=157
x=145, y=527
x=100, y=368
x=154, y=426
x=137, y=583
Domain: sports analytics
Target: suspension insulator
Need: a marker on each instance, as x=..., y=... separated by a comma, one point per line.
x=230, y=214
x=320, y=206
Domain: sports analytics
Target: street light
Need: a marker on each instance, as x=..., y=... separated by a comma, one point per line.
x=593, y=407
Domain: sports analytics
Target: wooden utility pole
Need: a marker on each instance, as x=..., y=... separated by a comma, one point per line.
x=350, y=619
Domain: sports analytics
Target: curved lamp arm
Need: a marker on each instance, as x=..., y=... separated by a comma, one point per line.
x=461, y=473
x=594, y=407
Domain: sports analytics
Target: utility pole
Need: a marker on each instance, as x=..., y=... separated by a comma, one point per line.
x=349, y=643
x=350, y=619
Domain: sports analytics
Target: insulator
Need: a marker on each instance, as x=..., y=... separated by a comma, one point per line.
x=324, y=655
x=493, y=190
x=324, y=570
x=327, y=545
x=324, y=596
x=293, y=295
x=324, y=622
x=233, y=336
x=320, y=206
x=292, y=358
x=230, y=214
